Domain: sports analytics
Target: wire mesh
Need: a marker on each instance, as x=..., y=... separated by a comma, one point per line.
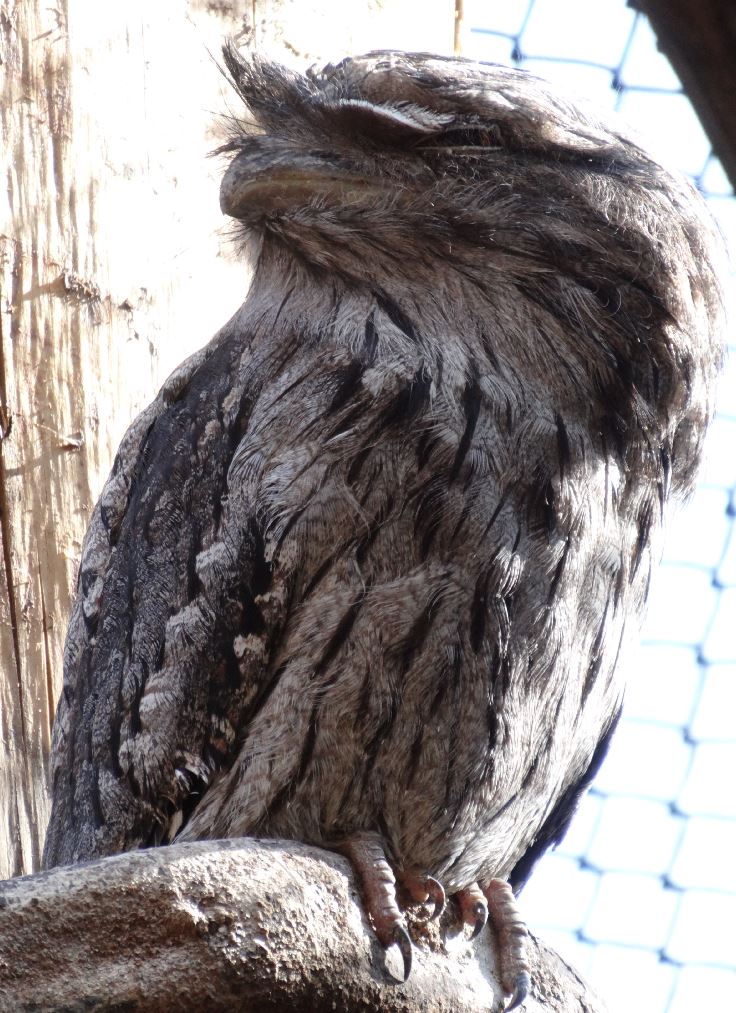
x=641, y=895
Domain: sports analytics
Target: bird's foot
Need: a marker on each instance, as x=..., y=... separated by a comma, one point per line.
x=511, y=937
x=494, y=901
x=489, y=901
x=423, y=889
x=378, y=883
x=473, y=908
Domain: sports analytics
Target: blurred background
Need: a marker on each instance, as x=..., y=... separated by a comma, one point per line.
x=641, y=895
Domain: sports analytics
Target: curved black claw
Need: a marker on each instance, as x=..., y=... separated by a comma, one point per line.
x=521, y=990
x=480, y=913
x=436, y=893
x=402, y=940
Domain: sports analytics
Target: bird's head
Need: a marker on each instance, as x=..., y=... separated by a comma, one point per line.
x=390, y=160
x=477, y=190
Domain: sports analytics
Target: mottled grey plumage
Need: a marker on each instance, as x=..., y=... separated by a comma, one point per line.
x=368, y=560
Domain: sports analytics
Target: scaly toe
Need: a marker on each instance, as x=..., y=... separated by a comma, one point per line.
x=423, y=888
x=511, y=936
x=473, y=908
x=368, y=859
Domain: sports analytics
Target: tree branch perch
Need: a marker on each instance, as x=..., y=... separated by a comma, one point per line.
x=232, y=925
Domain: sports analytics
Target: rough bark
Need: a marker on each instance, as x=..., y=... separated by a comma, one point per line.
x=237, y=925
x=114, y=265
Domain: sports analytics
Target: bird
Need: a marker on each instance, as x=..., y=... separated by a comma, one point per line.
x=363, y=571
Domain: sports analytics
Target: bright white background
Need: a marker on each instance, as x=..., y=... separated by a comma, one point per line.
x=641, y=895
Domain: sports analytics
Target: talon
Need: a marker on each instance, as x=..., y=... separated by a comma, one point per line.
x=402, y=940
x=367, y=856
x=436, y=893
x=480, y=911
x=423, y=888
x=511, y=936
x=473, y=908
x=521, y=991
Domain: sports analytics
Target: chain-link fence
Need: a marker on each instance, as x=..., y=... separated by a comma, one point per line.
x=641, y=895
